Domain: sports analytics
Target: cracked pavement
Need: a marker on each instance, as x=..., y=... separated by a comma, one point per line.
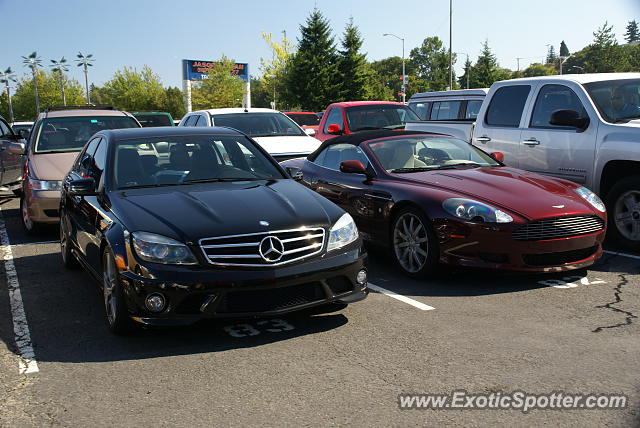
x=575, y=332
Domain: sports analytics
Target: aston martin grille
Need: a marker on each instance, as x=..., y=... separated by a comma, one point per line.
x=263, y=249
x=561, y=227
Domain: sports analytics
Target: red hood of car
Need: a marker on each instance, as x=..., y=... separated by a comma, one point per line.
x=531, y=195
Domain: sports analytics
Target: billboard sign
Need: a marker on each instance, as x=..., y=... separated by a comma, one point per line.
x=197, y=70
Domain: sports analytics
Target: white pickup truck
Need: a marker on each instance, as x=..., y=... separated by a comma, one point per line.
x=580, y=127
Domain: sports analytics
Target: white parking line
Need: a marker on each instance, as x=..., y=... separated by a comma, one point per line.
x=27, y=362
x=57, y=241
x=617, y=253
x=400, y=297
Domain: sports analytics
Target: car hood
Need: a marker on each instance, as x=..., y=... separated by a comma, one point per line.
x=528, y=194
x=51, y=166
x=192, y=212
x=288, y=144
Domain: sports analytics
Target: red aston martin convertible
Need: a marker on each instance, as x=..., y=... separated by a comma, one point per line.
x=436, y=199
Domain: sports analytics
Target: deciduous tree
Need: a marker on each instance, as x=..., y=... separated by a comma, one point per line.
x=431, y=62
x=24, y=100
x=219, y=89
x=134, y=90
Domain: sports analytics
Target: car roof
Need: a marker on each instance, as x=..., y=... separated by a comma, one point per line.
x=580, y=78
x=166, y=131
x=364, y=103
x=232, y=110
x=21, y=123
x=82, y=112
x=299, y=112
x=454, y=93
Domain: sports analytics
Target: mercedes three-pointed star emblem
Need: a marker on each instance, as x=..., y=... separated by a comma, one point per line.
x=271, y=249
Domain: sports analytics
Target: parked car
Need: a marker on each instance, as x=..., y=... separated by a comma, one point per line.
x=461, y=104
x=306, y=119
x=11, y=149
x=56, y=139
x=280, y=136
x=22, y=128
x=436, y=199
x=580, y=127
x=356, y=116
x=153, y=118
x=229, y=234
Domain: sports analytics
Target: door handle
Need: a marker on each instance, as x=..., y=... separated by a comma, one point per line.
x=484, y=139
x=531, y=142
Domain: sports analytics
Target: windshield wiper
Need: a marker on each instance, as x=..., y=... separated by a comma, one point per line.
x=368, y=128
x=456, y=165
x=416, y=169
x=144, y=186
x=216, y=180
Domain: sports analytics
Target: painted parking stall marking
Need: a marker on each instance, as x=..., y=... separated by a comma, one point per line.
x=617, y=253
x=570, y=282
x=400, y=297
x=27, y=362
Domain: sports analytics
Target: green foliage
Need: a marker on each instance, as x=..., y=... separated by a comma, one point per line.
x=537, y=69
x=431, y=62
x=312, y=72
x=466, y=76
x=24, y=100
x=220, y=88
x=273, y=76
x=173, y=102
x=564, y=50
x=387, y=78
x=132, y=90
x=260, y=94
x=632, y=34
x=551, y=55
x=604, y=55
x=486, y=70
x=352, y=69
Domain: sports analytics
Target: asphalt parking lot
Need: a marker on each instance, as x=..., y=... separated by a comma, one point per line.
x=484, y=332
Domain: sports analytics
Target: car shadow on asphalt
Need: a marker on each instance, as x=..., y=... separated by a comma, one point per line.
x=66, y=319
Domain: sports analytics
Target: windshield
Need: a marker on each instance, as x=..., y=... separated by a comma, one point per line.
x=379, y=116
x=258, y=124
x=305, y=119
x=180, y=160
x=617, y=100
x=418, y=153
x=160, y=119
x=69, y=134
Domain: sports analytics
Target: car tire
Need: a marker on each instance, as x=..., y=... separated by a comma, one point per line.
x=623, y=209
x=414, y=245
x=116, y=313
x=31, y=227
x=68, y=258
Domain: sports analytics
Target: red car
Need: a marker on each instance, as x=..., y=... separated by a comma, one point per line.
x=437, y=199
x=355, y=116
x=306, y=119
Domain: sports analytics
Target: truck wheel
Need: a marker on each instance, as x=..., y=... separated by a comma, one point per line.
x=623, y=206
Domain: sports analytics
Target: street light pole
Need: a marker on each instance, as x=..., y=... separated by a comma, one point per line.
x=450, y=42
x=404, y=77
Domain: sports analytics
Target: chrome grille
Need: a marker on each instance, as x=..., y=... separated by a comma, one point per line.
x=561, y=227
x=244, y=250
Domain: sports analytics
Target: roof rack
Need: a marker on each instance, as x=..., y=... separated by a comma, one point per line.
x=82, y=107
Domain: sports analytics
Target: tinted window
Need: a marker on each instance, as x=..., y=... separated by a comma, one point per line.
x=191, y=120
x=552, y=98
x=421, y=109
x=445, y=110
x=4, y=129
x=259, y=124
x=617, y=100
x=334, y=117
x=147, y=119
x=378, y=116
x=507, y=105
x=473, y=108
x=201, y=121
x=70, y=134
x=100, y=156
x=332, y=156
x=305, y=119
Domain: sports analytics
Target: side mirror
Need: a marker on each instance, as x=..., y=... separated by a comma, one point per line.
x=334, y=129
x=16, y=148
x=499, y=156
x=295, y=173
x=569, y=118
x=82, y=187
x=310, y=132
x=352, y=167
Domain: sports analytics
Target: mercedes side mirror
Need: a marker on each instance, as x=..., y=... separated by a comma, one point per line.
x=569, y=118
x=16, y=148
x=334, y=129
x=295, y=173
x=82, y=187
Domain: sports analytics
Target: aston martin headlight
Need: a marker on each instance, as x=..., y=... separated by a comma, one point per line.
x=45, y=184
x=160, y=249
x=592, y=198
x=471, y=210
x=343, y=232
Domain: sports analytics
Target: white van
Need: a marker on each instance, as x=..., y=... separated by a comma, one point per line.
x=462, y=104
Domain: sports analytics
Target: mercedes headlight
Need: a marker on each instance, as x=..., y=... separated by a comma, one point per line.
x=342, y=233
x=160, y=249
x=592, y=198
x=471, y=210
x=45, y=184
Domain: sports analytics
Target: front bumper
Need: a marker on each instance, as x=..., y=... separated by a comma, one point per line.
x=492, y=247
x=209, y=292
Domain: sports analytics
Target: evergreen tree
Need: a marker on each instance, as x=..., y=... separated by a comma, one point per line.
x=464, y=81
x=486, y=71
x=352, y=70
x=632, y=34
x=604, y=37
x=311, y=72
x=564, y=50
x=551, y=55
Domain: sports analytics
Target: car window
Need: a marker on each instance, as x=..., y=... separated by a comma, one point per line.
x=332, y=156
x=616, y=100
x=305, y=119
x=473, y=108
x=159, y=119
x=552, y=98
x=507, y=105
x=191, y=120
x=334, y=117
x=445, y=110
x=421, y=109
x=85, y=158
x=4, y=129
x=201, y=121
x=259, y=124
x=378, y=116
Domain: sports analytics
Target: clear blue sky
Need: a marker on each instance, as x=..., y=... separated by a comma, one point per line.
x=160, y=33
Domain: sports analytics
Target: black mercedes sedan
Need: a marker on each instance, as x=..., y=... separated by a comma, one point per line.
x=180, y=224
